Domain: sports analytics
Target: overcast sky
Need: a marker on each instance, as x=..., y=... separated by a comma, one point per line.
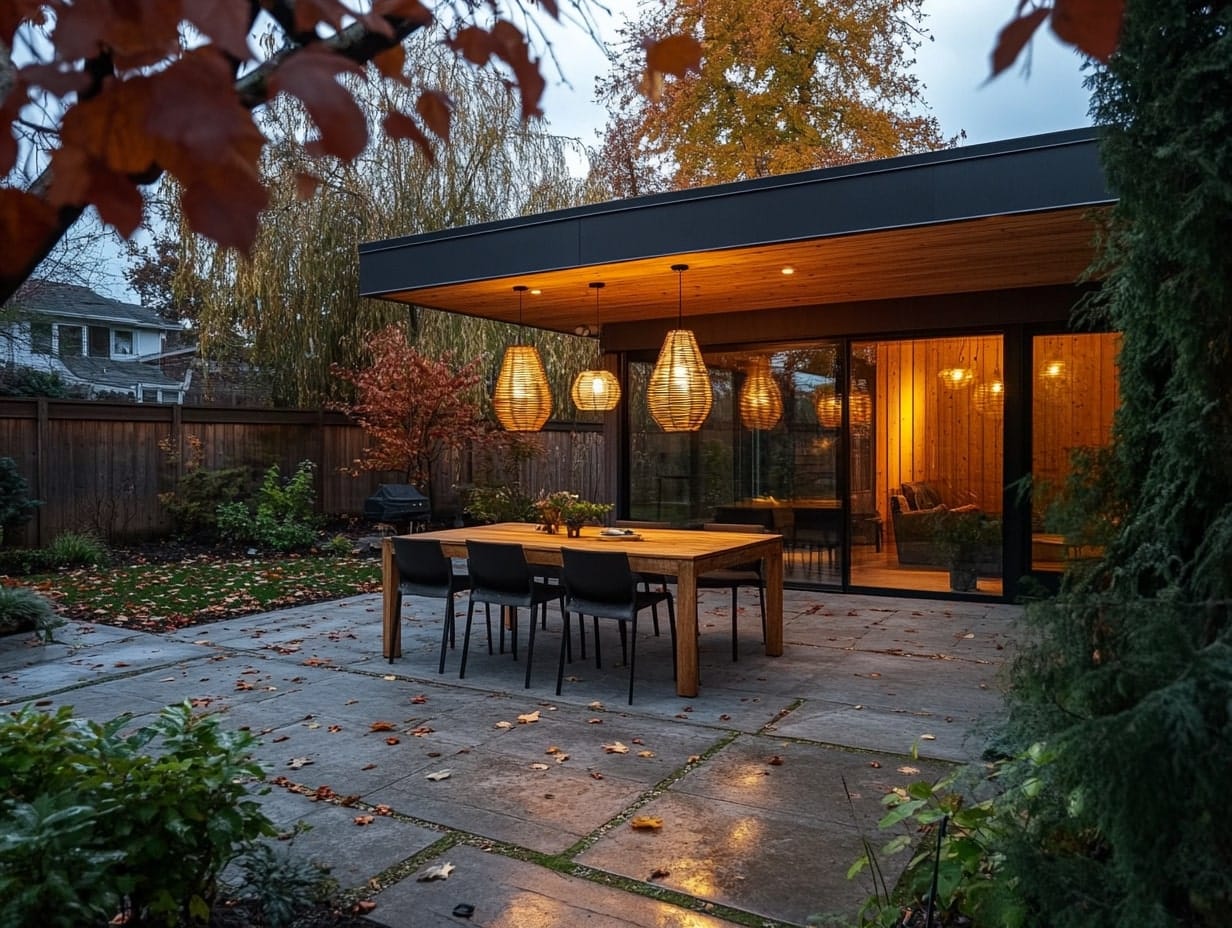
x=953, y=67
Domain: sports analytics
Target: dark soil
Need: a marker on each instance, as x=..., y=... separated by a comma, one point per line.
x=319, y=916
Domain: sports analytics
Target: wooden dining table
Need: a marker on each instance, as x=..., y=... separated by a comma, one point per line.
x=681, y=553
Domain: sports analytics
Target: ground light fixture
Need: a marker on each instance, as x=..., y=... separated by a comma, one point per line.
x=678, y=394
x=596, y=390
x=522, y=398
x=761, y=401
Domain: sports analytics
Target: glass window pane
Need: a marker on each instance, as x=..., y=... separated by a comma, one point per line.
x=927, y=468
x=1076, y=393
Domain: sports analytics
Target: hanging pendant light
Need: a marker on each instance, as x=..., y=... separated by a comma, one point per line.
x=678, y=394
x=989, y=396
x=958, y=377
x=761, y=402
x=597, y=390
x=522, y=398
x=829, y=407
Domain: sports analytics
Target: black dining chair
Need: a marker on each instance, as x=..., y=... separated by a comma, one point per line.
x=424, y=570
x=500, y=576
x=601, y=585
x=647, y=579
x=733, y=578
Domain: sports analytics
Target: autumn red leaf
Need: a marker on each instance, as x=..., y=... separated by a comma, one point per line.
x=1014, y=37
x=225, y=22
x=400, y=126
x=311, y=76
x=383, y=726
x=23, y=217
x=133, y=34
x=392, y=64
x=676, y=55
x=13, y=12
x=306, y=185
x=510, y=45
x=436, y=110
x=1093, y=26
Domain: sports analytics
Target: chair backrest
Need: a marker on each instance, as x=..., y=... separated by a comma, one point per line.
x=747, y=528
x=421, y=562
x=639, y=523
x=598, y=576
x=498, y=566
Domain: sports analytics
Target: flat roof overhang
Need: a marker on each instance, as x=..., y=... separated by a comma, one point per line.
x=1004, y=215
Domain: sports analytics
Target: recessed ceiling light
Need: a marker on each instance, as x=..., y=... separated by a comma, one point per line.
x=535, y=292
x=788, y=271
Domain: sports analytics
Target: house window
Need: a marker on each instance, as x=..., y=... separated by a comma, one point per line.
x=122, y=342
x=100, y=341
x=40, y=337
x=70, y=341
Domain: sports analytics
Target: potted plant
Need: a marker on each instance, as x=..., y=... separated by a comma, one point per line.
x=568, y=509
x=966, y=540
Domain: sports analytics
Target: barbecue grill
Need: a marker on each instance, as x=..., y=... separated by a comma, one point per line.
x=397, y=502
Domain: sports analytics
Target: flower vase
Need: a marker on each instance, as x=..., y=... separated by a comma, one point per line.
x=573, y=531
x=550, y=528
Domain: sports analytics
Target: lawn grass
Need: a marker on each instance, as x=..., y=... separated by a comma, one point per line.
x=161, y=597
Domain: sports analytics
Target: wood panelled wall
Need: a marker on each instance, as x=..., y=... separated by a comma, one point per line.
x=100, y=467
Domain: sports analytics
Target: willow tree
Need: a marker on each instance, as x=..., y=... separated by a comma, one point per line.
x=1127, y=683
x=294, y=300
x=784, y=85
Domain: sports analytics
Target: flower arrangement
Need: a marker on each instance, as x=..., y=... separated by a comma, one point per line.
x=563, y=507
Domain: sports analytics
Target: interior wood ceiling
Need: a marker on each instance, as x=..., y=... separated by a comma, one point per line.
x=990, y=253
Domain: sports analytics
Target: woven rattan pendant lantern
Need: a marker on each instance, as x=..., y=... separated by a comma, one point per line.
x=678, y=394
x=761, y=402
x=958, y=377
x=597, y=390
x=522, y=398
x=989, y=397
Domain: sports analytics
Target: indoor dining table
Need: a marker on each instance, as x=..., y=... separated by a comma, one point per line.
x=681, y=553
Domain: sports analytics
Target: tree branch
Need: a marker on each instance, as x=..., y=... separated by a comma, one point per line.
x=356, y=43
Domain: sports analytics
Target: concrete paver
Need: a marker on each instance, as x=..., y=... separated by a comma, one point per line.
x=537, y=840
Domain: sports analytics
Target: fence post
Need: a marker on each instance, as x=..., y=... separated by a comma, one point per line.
x=40, y=467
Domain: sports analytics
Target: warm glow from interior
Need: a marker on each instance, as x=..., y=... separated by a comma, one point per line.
x=788, y=271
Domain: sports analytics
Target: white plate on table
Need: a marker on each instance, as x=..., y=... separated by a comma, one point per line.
x=621, y=536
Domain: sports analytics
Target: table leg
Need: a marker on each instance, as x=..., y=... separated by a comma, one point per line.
x=774, y=603
x=687, y=628
x=389, y=581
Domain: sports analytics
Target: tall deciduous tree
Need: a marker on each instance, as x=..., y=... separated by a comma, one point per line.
x=784, y=85
x=295, y=297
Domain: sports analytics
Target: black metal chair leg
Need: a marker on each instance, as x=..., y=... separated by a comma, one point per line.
x=466, y=638
x=560, y=664
x=530, y=642
x=445, y=632
x=395, y=639
x=632, y=654
x=487, y=615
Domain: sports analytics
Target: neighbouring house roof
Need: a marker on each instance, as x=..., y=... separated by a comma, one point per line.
x=70, y=301
x=1010, y=214
x=122, y=375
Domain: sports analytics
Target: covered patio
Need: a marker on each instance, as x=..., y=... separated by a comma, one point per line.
x=911, y=316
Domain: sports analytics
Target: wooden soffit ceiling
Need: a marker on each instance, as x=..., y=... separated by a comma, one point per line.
x=987, y=253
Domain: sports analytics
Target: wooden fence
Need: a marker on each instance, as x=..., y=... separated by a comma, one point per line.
x=100, y=467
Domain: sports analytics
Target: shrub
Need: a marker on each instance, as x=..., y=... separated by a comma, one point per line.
x=281, y=884
x=23, y=610
x=283, y=517
x=94, y=822
x=339, y=546
x=500, y=504
x=16, y=506
x=75, y=549
x=193, y=504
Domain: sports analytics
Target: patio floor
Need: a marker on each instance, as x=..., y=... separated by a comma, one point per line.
x=748, y=777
